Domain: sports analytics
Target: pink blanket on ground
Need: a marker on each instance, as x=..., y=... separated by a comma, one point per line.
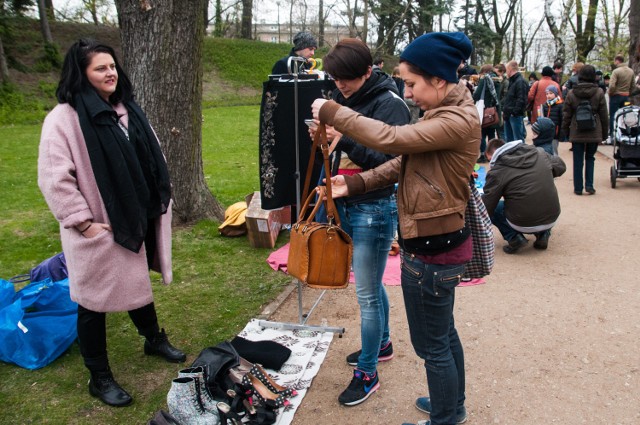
x=278, y=261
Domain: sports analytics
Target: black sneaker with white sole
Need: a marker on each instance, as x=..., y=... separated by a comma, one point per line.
x=385, y=354
x=362, y=385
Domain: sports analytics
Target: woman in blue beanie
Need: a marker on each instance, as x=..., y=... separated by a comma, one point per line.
x=437, y=157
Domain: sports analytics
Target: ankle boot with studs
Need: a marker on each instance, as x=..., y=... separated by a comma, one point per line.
x=185, y=404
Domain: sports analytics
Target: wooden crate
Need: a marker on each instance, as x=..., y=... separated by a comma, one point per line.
x=263, y=226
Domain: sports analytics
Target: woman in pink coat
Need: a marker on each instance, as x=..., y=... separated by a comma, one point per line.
x=537, y=91
x=103, y=175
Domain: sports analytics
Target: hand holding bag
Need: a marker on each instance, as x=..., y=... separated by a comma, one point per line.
x=320, y=253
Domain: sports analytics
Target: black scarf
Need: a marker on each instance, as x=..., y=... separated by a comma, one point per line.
x=132, y=174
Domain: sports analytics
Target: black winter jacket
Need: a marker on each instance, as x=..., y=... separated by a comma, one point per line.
x=523, y=175
x=515, y=102
x=378, y=98
x=554, y=112
x=280, y=67
x=592, y=93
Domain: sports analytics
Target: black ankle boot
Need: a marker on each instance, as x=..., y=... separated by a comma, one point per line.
x=159, y=345
x=103, y=386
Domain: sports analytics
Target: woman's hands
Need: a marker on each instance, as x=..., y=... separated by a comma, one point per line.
x=89, y=229
x=315, y=108
x=339, y=187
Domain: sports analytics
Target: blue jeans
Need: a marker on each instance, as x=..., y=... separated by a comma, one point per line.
x=372, y=226
x=486, y=135
x=499, y=220
x=583, y=155
x=615, y=102
x=429, y=295
x=514, y=129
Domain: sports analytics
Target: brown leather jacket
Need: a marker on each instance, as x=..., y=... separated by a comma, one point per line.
x=438, y=155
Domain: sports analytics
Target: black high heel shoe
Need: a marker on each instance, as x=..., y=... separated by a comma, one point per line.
x=270, y=399
x=227, y=416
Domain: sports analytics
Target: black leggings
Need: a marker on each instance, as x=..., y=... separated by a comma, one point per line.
x=92, y=331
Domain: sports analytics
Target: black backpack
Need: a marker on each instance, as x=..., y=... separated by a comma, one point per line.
x=585, y=120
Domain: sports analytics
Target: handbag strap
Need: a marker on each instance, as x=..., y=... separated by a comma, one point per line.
x=489, y=81
x=320, y=139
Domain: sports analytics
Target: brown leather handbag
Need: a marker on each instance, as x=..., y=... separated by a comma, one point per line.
x=320, y=253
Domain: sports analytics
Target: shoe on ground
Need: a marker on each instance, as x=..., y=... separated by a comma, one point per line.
x=385, y=354
x=160, y=346
x=482, y=160
x=542, y=240
x=103, y=386
x=578, y=192
x=423, y=404
x=515, y=244
x=361, y=387
x=590, y=191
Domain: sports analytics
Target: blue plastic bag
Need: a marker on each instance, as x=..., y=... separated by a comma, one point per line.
x=37, y=324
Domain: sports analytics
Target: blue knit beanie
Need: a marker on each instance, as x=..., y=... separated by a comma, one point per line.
x=439, y=53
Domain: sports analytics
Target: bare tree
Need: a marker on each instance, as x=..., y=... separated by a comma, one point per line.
x=614, y=17
x=584, y=29
x=500, y=27
x=558, y=31
x=4, y=69
x=44, y=23
x=528, y=34
x=247, y=17
x=321, y=21
x=162, y=44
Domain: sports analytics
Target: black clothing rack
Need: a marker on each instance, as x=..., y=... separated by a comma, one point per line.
x=294, y=65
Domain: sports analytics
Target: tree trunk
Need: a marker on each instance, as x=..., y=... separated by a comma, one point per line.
x=162, y=47
x=49, y=7
x=321, y=21
x=4, y=69
x=557, y=32
x=585, y=38
x=217, y=29
x=365, y=20
x=247, y=17
x=44, y=23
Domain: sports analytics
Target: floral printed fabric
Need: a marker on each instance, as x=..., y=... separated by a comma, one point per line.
x=308, y=350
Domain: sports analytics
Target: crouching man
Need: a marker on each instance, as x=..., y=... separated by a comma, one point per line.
x=523, y=175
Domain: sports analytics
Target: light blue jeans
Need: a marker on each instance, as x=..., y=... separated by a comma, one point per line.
x=372, y=226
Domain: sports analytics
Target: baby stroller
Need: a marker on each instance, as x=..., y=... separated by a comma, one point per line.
x=626, y=144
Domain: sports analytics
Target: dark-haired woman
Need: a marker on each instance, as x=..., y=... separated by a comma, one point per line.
x=438, y=156
x=371, y=218
x=584, y=143
x=103, y=175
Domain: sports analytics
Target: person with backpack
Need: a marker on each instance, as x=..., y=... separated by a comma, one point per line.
x=585, y=119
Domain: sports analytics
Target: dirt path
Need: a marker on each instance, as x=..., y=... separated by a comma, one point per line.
x=553, y=337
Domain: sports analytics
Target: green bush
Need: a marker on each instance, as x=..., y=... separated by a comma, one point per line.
x=17, y=108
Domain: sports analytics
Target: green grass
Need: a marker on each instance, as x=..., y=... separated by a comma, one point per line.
x=219, y=283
